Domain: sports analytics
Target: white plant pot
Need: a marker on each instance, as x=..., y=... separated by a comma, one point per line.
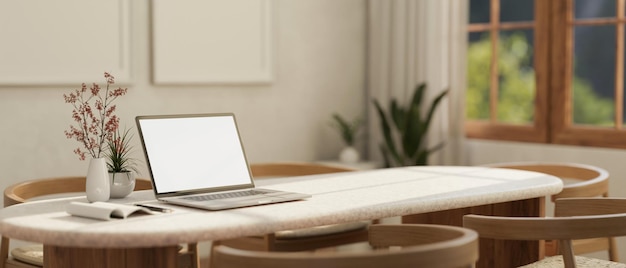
x=349, y=155
x=122, y=183
x=97, y=182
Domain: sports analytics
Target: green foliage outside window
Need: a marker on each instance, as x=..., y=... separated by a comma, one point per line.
x=477, y=94
x=589, y=108
x=517, y=85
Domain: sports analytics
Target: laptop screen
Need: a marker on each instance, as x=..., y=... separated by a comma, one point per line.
x=193, y=152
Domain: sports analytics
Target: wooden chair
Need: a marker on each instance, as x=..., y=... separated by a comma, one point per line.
x=422, y=245
x=302, y=239
x=604, y=217
x=579, y=181
x=24, y=191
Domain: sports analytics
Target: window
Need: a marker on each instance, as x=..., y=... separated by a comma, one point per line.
x=547, y=71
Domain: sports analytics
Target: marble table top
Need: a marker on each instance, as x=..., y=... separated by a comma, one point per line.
x=336, y=198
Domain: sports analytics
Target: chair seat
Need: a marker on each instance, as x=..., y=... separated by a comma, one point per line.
x=32, y=254
x=581, y=262
x=320, y=230
x=13, y=263
x=399, y=245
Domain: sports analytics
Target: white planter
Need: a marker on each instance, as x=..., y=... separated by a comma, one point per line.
x=97, y=184
x=349, y=155
x=122, y=183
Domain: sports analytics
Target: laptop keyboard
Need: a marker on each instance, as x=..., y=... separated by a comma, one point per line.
x=223, y=196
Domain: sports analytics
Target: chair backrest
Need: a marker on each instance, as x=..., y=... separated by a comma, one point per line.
x=22, y=191
x=286, y=169
x=563, y=229
x=579, y=181
x=421, y=246
x=590, y=181
x=566, y=207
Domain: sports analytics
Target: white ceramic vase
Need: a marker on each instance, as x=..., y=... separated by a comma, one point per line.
x=349, y=154
x=122, y=183
x=97, y=185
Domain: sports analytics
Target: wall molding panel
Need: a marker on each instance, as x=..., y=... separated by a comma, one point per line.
x=64, y=42
x=224, y=42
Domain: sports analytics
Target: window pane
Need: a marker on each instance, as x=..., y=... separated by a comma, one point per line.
x=517, y=10
x=478, y=66
x=584, y=9
x=594, y=75
x=479, y=11
x=516, y=77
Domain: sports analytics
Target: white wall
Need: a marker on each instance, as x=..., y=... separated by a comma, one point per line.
x=320, y=69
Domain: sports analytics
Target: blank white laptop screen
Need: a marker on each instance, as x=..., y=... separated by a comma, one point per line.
x=194, y=153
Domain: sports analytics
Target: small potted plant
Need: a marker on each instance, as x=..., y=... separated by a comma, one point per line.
x=348, y=131
x=121, y=167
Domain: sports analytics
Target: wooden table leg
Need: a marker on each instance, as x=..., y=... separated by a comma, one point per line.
x=494, y=253
x=158, y=257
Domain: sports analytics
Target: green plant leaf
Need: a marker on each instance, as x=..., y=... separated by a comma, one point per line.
x=412, y=136
x=424, y=126
x=410, y=128
x=422, y=158
x=118, y=155
x=346, y=129
x=397, y=114
x=431, y=111
x=418, y=95
x=436, y=147
x=385, y=153
x=387, y=132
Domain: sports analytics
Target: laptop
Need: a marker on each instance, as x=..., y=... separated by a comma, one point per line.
x=198, y=161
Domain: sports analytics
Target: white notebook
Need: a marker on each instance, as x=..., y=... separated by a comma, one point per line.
x=105, y=211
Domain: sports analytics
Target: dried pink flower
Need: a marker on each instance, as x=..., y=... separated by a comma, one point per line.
x=94, y=115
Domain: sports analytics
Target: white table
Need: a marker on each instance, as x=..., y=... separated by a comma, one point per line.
x=336, y=198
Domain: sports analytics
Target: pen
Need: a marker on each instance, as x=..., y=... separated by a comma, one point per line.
x=163, y=210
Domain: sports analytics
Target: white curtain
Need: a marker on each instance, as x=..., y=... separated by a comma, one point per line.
x=415, y=41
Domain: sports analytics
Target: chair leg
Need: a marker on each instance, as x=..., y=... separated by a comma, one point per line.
x=189, y=257
x=613, y=252
x=193, y=254
x=4, y=251
x=551, y=248
x=212, y=253
x=567, y=252
x=270, y=242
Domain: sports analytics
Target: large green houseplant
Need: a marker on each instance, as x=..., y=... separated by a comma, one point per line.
x=404, y=130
